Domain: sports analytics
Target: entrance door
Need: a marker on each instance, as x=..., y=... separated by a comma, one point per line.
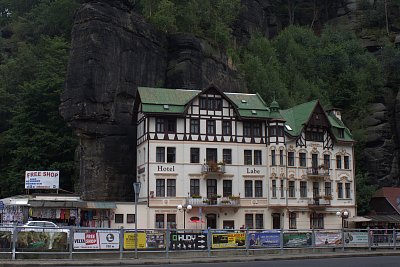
x=229, y=224
x=212, y=221
x=276, y=221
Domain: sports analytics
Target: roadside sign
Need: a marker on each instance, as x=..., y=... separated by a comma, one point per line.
x=1, y=205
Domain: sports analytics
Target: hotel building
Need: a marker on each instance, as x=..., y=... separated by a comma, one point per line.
x=232, y=161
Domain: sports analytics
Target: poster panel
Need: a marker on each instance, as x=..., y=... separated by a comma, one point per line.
x=155, y=240
x=130, y=242
x=192, y=241
x=42, y=179
x=328, y=238
x=356, y=238
x=42, y=241
x=5, y=239
x=228, y=240
x=97, y=240
x=264, y=239
x=299, y=239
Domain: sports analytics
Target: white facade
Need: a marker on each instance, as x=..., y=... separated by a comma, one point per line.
x=234, y=171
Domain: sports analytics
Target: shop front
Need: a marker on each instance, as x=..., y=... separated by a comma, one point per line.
x=97, y=214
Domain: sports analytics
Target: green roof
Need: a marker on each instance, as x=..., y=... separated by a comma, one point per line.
x=154, y=99
x=298, y=115
x=249, y=105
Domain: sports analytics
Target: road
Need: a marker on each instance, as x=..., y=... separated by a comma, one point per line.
x=382, y=261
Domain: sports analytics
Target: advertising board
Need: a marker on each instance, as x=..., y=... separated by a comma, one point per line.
x=42, y=179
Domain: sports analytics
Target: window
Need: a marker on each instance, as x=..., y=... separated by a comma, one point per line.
x=194, y=155
x=247, y=157
x=227, y=156
x=226, y=128
x=281, y=157
x=328, y=188
x=258, y=190
x=160, y=125
x=227, y=188
x=327, y=161
x=290, y=158
x=119, y=218
x=171, y=221
x=171, y=151
x=211, y=155
x=338, y=162
x=346, y=162
x=194, y=187
x=273, y=160
x=160, y=154
x=248, y=188
x=282, y=189
x=171, y=187
x=211, y=187
x=303, y=189
x=160, y=188
x=341, y=133
x=251, y=129
x=165, y=125
x=347, y=190
x=159, y=221
x=130, y=218
x=257, y=157
x=280, y=131
x=247, y=129
x=272, y=131
x=211, y=127
x=315, y=136
x=195, y=126
x=340, y=190
x=211, y=103
x=256, y=129
x=259, y=221
x=302, y=160
x=291, y=189
x=274, y=188
x=292, y=220
x=248, y=221
x=317, y=221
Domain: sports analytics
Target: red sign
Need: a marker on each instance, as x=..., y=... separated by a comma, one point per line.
x=90, y=238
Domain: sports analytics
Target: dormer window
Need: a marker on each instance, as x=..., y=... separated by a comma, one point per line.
x=341, y=133
x=210, y=103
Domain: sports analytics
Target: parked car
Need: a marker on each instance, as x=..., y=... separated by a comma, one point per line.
x=43, y=226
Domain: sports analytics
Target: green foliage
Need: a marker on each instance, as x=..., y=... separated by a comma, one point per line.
x=365, y=190
x=33, y=64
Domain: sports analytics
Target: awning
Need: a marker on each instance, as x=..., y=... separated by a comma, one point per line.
x=100, y=205
x=385, y=218
x=358, y=219
x=56, y=204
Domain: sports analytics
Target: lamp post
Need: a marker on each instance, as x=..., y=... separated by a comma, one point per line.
x=344, y=215
x=184, y=208
x=136, y=188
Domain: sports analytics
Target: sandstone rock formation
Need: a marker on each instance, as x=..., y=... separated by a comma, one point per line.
x=113, y=52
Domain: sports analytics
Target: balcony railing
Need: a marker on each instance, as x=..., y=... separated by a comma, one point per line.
x=213, y=168
x=320, y=201
x=317, y=171
x=221, y=202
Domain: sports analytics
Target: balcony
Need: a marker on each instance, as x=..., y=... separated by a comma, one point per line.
x=319, y=202
x=216, y=202
x=318, y=172
x=213, y=168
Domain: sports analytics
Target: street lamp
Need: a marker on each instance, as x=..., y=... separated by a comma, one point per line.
x=136, y=188
x=344, y=215
x=184, y=208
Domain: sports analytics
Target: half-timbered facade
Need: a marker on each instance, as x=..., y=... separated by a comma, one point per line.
x=237, y=162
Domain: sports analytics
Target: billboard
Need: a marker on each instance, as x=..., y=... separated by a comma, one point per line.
x=42, y=179
x=192, y=241
x=264, y=239
x=97, y=240
x=228, y=240
x=145, y=240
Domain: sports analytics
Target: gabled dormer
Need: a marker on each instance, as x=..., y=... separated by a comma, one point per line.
x=309, y=122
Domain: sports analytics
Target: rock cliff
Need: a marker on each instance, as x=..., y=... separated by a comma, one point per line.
x=113, y=52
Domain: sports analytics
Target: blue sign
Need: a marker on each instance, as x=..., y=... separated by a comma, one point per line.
x=264, y=239
x=1, y=205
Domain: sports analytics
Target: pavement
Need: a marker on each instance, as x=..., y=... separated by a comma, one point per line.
x=189, y=260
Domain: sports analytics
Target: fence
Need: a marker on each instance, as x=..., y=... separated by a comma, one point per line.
x=67, y=243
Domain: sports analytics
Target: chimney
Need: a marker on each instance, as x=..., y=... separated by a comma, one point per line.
x=337, y=112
